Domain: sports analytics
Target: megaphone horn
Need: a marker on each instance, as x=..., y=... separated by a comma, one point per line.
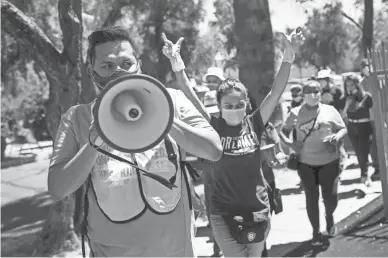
x=133, y=113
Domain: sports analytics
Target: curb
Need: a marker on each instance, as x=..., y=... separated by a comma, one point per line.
x=18, y=161
x=350, y=222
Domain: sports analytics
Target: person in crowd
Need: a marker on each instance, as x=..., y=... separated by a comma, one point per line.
x=240, y=199
x=331, y=94
x=213, y=77
x=297, y=96
x=271, y=136
x=297, y=100
x=357, y=111
x=210, y=103
x=365, y=81
x=123, y=217
x=319, y=128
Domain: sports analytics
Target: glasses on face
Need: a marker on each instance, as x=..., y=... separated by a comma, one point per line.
x=108, y=69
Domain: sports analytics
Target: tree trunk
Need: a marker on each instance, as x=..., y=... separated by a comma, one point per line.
x=367, y=29
x=69, y=85
x=255, y=46
x=63, y=71
x=58, y=233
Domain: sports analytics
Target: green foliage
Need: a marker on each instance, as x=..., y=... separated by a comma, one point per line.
x=327, y=39
x=380, y=26
x=24, y=86
x=31, y=94
x=225, y=22
x=175, y=18
x=205, y=53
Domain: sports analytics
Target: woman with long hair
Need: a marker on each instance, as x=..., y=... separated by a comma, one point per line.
x=360, y=129
x=240, y=212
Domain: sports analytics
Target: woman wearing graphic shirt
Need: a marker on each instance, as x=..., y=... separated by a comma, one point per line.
x=240, y=190
x=358, y=104
x=319, y=129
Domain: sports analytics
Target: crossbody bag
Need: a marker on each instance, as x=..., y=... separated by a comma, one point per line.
x=293, y=161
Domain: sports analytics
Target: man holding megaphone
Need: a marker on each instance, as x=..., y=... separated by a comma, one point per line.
x=127, y=148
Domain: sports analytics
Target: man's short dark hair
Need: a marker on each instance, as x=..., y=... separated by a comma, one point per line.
x=104, y=35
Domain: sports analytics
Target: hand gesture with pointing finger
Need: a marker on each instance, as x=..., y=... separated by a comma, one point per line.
x=293, y=42
x=172, y=52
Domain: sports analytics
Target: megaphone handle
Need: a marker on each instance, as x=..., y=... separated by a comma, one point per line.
x=158, y=178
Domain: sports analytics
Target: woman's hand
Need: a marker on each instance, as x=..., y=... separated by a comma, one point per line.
x=293, y=43
x=295, y=39
x=333, y=138
x=172, y=52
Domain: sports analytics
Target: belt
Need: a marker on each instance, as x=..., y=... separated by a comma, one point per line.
x=357, y=121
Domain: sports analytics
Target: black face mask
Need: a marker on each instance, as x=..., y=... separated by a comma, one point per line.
x=101, y=81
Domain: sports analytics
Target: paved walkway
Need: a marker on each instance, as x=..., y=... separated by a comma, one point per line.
x=289, y=229
x=369, y=238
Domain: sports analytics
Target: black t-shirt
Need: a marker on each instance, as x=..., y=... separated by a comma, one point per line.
x=362, y=111
x=335, y=96
x=239, y=184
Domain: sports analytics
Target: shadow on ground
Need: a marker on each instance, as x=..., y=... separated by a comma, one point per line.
x=274, y=251
x=20, y=222
x=292, y=191
x=17, y=161
x=369, y=238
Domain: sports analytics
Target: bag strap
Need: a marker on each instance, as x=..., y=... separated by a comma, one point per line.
x=84, y=227
x=173, y=158
x=312, y=128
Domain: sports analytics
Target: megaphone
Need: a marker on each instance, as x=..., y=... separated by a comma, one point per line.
x=133, y=113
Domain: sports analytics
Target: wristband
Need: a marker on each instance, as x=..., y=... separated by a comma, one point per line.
x=289, y=56
x=177, y=63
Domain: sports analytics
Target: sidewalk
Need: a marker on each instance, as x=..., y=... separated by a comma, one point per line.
x=368, y=238
x=291, y=227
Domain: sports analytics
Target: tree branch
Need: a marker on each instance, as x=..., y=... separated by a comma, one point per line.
x=115, y=13
x=70, y=20
x=28, y=34
x=351, y=19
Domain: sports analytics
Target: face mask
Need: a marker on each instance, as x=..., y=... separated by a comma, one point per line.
x=297, y=99
x=101, y=82
x=233, y=116
x=311, y=99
